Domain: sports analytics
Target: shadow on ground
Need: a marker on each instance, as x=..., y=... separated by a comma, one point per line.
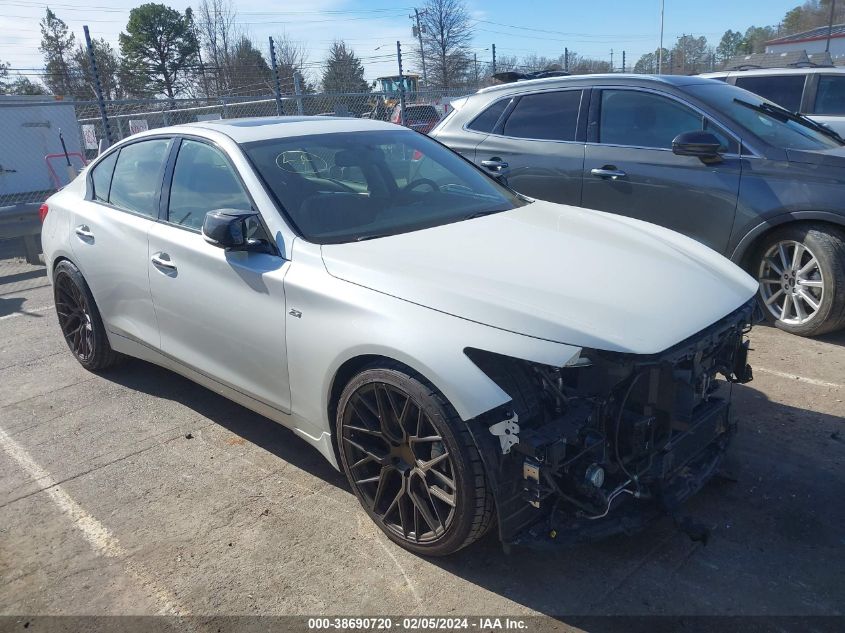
x=778, y=523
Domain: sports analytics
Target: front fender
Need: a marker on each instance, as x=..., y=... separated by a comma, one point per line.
x=340, y=321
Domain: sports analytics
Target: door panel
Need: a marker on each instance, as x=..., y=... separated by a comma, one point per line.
x=537, y=140
x=221, y=313
x=110, y=248
x=630, y=169
x=678, y=192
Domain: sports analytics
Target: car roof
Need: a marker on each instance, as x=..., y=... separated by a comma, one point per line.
x=773, y=71
x=263, y=128
x=623, y=78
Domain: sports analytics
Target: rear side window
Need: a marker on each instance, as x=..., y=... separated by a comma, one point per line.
x=203, y=180
x=545, y=115
x=137, y=176
x=830, y=96
x=101, y=177
x=486, y=121
x=784, y=90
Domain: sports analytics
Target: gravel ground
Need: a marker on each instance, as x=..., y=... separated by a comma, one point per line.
x=139, y=492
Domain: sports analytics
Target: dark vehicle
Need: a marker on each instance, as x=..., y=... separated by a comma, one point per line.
x=419, y=117
x=751, y=180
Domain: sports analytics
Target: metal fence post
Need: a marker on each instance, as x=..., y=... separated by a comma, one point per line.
x=401, y=83
x=297, y=87
x=276, y=84
x=494, y=59
x=225, y=109
x=98, y=87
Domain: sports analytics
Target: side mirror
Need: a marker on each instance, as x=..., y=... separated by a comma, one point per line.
x=703, y=145
x=228, y=229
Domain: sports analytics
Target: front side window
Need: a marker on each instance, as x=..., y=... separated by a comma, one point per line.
x=784, y=90
x=350, y=186
x=203, y=180
x=644, y=119
x=137, y=176
x=545, y=115
x=101, y=177
x=830, y=95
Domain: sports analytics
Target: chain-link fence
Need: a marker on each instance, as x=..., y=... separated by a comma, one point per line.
x=45, y=142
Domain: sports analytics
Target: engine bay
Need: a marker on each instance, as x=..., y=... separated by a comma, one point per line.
x=601, y=445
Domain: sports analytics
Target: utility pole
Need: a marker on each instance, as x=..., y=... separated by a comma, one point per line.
x=98, y=88
x=566, y=59
x=611, y=60
x=278, y=87
x=660, y=48
x=475, y=61
x=830, y=25
x=422, y=52
x=623, y=61
x=494, y=59
x=401, y=83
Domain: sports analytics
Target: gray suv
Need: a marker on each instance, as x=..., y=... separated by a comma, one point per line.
x=757, y=183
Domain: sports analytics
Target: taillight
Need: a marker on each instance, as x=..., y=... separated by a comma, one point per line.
x=42, y=212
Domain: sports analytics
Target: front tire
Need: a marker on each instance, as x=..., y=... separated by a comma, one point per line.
x=801, y=271
x=411, y=461
x=80, y=319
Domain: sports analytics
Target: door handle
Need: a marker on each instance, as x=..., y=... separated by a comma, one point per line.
x=608, y=171
x=162, y=260
x=84, y=232
x=494, y=164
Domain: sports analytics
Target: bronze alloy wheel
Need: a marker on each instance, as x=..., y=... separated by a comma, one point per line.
x=412, y=461
x=75, y=317
x=398, y=463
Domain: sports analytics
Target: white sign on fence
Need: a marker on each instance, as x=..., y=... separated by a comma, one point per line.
x=89, y=136
x=138, y=125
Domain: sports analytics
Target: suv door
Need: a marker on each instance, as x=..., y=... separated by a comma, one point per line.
x=536, y=144
x=630, y=169
x=220, y=312
x=109, y=239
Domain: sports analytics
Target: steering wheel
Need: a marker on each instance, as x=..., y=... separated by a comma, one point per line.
x=418, y=183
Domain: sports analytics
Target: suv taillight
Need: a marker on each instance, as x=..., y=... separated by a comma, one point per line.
x=42, y=212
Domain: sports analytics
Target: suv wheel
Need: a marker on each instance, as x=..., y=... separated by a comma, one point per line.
x=411, y=461
x=801, y=270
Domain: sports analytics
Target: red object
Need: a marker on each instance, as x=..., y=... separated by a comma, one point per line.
x=42, y=212
x=417, y=155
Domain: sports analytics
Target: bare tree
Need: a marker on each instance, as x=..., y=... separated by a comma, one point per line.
x=218, y=35
x=291, y=57
x=447, y=32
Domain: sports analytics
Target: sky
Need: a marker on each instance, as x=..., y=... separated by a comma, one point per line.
x=372, y=27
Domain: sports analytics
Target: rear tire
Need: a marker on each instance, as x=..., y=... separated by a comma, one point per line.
x=801, y=270
x=80, y=320
x=411, y=461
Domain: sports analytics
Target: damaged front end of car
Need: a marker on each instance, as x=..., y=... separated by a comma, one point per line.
x=610, y=440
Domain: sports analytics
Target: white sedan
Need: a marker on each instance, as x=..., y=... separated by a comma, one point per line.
x=466, y=355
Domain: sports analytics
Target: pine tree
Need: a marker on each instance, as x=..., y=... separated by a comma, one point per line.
x=57, y=46
x=344, y=71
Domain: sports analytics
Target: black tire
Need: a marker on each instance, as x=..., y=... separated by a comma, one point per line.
x=404, y=392
x=826, y=244
x=80, y=321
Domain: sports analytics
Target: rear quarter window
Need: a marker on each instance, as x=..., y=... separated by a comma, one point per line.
x=486, y=121
x=830, y=95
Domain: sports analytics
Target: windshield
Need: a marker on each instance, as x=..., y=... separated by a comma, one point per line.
x=772, y=127
x=351, y=186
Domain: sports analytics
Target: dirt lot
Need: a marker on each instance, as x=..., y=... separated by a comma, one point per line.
x=107, y=506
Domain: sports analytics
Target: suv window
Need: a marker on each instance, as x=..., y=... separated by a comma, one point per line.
x=486, y=121
x=644, y=119
x=137, y=176
x=203, y=180
x=784, y=90
x=830, y=95
x=545, y=115
x=101, y=177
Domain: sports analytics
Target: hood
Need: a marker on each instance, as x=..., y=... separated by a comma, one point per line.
x=834, y=157
x=555, y=272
